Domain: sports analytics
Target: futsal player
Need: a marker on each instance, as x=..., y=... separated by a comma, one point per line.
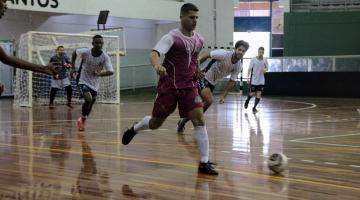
x=61, y=80
x=257, y=68
x=223, y=63
x=177, y=86
x=95, y=63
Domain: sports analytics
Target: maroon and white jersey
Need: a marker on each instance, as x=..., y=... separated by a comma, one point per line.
x=181, y=57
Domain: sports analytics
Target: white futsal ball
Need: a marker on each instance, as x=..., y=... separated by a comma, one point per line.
x=277, y=162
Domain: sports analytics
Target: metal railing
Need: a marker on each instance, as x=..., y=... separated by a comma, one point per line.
x=143, y=75
x=350, y=63
x=137, y=76
x=324, y=5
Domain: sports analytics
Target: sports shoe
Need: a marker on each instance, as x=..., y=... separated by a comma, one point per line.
x=246, y=104
x=128, y=135
x=180, y=127
x=207, y=168
x=254, y=110
x=81, y=124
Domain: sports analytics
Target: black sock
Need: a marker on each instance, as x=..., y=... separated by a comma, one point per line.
x=69, y=93
x=257, y=100
x=53, y=94
x=248, y=98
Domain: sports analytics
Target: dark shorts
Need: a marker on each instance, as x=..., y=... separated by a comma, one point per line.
x=165, y=103
x=203, y=83
x=83, y=89
x=257, y=88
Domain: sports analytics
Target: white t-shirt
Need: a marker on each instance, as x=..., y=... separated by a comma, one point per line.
x=223, y=66
x=256, y=69
x=93, y=64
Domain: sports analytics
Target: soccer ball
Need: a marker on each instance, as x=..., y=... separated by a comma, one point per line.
x=277, y=162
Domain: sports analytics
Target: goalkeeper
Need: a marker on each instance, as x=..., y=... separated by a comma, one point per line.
x=61, y=80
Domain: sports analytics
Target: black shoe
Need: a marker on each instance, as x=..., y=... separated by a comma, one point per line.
x=246, y=104
x=254, y=110
x=128, y=135
x=180, y=127
x=207, y=168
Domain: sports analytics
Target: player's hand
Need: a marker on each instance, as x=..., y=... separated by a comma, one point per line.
x=56, y=77
x=161, y=70
x=67, y=65
x=52, y=69
x=222, y=100
x=74, y=74
x=1, y=88
x=199, y=74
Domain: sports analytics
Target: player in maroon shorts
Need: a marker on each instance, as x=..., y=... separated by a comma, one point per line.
x=177, y=85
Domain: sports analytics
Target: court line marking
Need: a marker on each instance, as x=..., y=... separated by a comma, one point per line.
x=308, y=161
x=329, y=144
x=321, y=137
x=330, y=163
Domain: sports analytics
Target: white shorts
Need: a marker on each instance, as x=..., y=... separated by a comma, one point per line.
x=62, y=83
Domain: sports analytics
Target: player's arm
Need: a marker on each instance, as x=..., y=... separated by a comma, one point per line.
x=266, y=66
x=108, y=67
x=73, y=58
x=229, y=85
x=162, y=47
x=249, y=70
x=204, y=57
x=155, y=62
x=216, y=55
x=22, y=64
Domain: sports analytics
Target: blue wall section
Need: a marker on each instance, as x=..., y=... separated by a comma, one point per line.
x=254, y=24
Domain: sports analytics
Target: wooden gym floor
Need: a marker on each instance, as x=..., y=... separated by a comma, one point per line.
x=44, y=157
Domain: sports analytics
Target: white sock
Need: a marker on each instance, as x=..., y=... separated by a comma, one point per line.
x=143, y=124
x=202, y=141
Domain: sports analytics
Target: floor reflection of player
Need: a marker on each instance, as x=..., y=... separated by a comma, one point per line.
x=89, y=182
x=256, y=143
x=203, y=182
x=127, y=191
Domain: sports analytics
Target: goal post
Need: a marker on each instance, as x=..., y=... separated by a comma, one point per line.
x=32, y=88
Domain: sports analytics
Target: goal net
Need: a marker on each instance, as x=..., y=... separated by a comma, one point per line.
x=32, y=88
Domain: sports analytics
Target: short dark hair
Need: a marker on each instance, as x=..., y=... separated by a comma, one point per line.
x=97, y=36
x=261, y=48
x=242, y=43
x=186, y=8
x=59, y=47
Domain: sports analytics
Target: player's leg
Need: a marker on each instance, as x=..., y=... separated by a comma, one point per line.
x=89, y=99
x=164, y=105
x=251, y=94
x=69, y=91
x=206, y=90
x=55, y=86
x=258, y=97
x=190, y=106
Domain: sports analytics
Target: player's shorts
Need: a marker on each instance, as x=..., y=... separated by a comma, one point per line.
x=257, y=88
x=203, y=83
x=60, y=83
x=83, y=89
x=165, y=103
